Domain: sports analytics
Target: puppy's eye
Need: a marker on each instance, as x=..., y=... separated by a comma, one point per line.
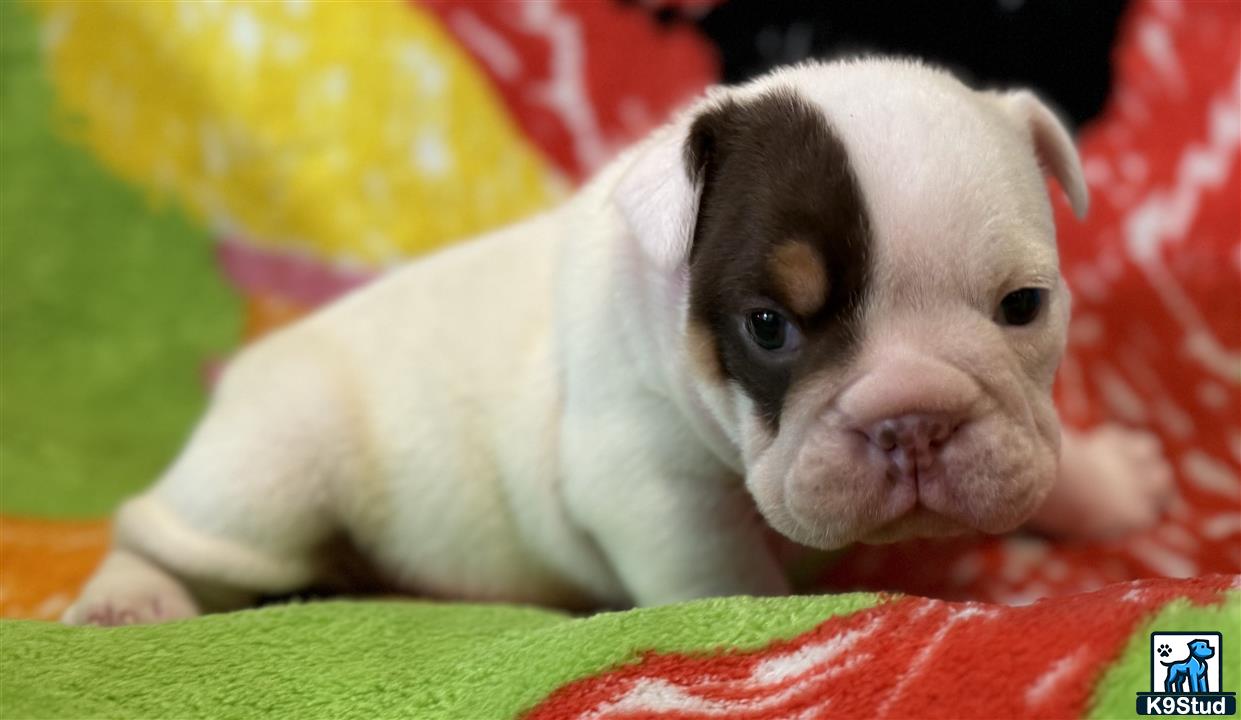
x=771, y=331
x=1021, y=307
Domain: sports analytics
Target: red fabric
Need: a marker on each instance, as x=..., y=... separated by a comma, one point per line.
x=1156, y=272
x=910, y=657
x=582, y=79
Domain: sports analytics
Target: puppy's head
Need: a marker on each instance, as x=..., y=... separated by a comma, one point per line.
x=869, y=293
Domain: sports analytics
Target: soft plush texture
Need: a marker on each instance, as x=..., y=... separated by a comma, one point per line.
x=845, y=656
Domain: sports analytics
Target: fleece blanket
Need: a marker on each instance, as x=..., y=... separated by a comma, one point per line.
x=200, y=173
x=854, y=655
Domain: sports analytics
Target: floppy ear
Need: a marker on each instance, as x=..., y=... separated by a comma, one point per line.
x=1052, y=145
x=658, y=193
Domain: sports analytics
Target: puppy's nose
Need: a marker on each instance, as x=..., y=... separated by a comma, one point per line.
x=919, y=434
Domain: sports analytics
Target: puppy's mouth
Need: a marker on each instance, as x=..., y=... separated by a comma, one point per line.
x=911, y=520
x=843, y=491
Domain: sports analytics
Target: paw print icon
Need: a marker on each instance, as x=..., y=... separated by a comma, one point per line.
x=1164, y=650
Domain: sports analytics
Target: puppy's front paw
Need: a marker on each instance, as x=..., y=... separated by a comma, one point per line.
x=1112, y=481
x=1134, y=479
x=128, y=590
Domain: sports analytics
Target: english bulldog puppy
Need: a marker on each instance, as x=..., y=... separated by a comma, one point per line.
x=827, y=300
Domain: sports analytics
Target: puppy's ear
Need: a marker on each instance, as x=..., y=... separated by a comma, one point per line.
x=658, y=193
x=1052, y=144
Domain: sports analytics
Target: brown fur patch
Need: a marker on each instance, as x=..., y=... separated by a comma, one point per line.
x=772, y=171
x=799, y=277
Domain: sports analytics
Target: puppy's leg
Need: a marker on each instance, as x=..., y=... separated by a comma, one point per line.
x=245, y=508
x=1112, y=481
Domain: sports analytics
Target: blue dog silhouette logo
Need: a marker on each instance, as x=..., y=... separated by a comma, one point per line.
x=1186, y=669
x=1190, y=674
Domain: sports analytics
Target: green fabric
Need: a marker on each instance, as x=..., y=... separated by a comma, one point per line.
x=364, y=659
x=109, y=311
x=426, y=660
x=1116, y=693
x=417, y=659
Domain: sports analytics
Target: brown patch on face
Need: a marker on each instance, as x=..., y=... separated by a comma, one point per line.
x=772, y=170
x=799, y=277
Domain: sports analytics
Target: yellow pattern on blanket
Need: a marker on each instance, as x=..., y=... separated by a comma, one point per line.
x=357, y=132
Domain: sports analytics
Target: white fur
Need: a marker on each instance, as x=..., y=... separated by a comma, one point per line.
x=518, y=418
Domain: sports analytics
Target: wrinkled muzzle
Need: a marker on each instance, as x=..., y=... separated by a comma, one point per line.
x=913, y=448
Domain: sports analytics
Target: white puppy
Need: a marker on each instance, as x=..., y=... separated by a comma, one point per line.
x=831, y=294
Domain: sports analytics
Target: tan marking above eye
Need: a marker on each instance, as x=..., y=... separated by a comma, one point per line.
x=799, y=275
x=700, y=345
